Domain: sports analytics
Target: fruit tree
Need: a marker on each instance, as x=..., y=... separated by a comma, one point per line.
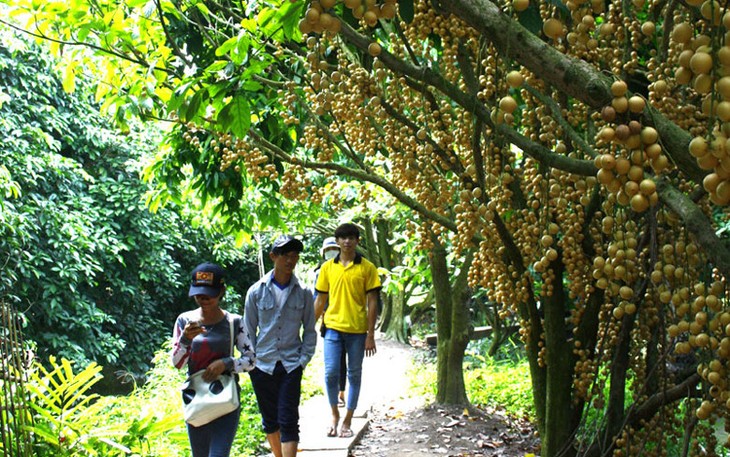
x=572, y=154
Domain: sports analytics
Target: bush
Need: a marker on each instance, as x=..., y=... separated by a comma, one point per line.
x=503, y=381
x=71, y=421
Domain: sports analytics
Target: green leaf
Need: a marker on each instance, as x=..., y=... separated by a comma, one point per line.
x=190, y=111
x=235, y=117
x=227, y=45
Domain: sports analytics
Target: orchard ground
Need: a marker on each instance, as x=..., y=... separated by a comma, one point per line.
x=392, y=423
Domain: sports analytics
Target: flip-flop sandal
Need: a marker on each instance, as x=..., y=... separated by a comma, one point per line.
x=341, y=403
x=332, y=431
x=346, y=433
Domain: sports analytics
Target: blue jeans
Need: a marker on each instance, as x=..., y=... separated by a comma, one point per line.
x=278, y=397
x=215, y=438
x=335, y=343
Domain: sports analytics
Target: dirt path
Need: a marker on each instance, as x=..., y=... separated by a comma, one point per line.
x=400, y=426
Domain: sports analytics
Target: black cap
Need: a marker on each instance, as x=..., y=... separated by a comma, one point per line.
x=207, y=279
x=286, y=243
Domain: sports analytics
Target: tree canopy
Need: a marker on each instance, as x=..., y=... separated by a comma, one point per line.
x=571, y=155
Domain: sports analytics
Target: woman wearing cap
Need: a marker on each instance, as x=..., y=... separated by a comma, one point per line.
x=201, y=340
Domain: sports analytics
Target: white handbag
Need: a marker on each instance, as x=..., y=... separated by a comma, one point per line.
x=205, y=401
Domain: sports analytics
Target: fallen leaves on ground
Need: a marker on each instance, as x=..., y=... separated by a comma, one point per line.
x=449, y=431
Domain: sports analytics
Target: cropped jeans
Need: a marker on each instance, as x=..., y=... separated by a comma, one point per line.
x=335, y=343
x=278, y=396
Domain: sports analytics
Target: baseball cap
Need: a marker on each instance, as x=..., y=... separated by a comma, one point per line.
x=207, y=279
x=329, y=243
x=286, y=243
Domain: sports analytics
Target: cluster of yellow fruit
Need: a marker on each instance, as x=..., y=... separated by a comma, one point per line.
x=257, y=164
x=507, y=104
x=294, y=183
x=622, y=173
x=706, y=71
x=320, y=18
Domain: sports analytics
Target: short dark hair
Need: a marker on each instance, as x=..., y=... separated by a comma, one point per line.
x=346, y=230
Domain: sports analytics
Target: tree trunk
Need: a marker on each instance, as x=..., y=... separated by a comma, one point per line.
x=396, y=329
x=392, y=315
x=452, y=327
x=557, y=436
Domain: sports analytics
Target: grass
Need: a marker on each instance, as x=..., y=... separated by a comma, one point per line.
x=500, y=382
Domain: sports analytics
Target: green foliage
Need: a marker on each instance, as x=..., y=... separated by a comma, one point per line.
x=502, y=380
x=71, y=421
x=501, y=385
x=101, y=277
x=489, y=382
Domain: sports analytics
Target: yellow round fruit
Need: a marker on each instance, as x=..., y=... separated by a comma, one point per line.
x=305, y=27
x=702, y=84
x=618, y=312
x=515, y=79
x=608, y=161
x=605, y=176
x=648, y=28
x=660, y=86
x=723, y=191
x=707, y=162
x=631, y=188
x=607, y=133
x=507, y=104
x=653, y=150
x=371, y=18
x=636, y=104
x=374, y=49
x=335, y=25
x=683, y=75
x=682, y=33
x=553, y=28
x=312, y=15
x=388, y=10
x=619, y=88
x=620, y=104
x=711, y=11
x=723, y=111
x=698, y=147
x=649, y=135
x=623, y=165
x=639, y=203
x=647, y=187
x=684, y=58
x=520, y=5
x=700, y=63
x=723, y=86
x=626, y=292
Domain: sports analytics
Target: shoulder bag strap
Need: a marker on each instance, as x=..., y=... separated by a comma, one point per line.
x=230, y=327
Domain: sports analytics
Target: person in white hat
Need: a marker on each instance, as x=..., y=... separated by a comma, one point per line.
x=330, y=250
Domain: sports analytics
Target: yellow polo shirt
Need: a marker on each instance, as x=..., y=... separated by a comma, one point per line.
x=347, y=288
